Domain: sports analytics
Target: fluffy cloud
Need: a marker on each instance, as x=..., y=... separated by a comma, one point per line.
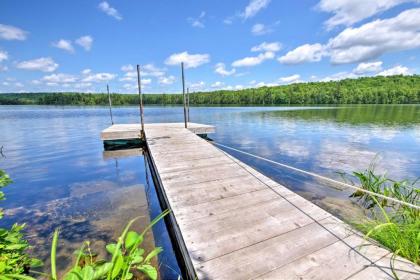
x=8, y=32
x=167, y=80
x=59, y=78
x=260, y=29
x=267, y=47
x=3, y=56
x=111, y=11
x=64, y=45
x=397, y=70
x=127, y=68
x=220, y=68
x=304, y=53
x=151, y=70
x=197, y=86
x=368, y=67
x=253, y=60
x=197, y=22
x=376, y=38
x=290, y=79
x=348, y=12
x=98, y=77
x=339, y=76
x=85, y=42
x=217, y=84
x=190, y=60
x=254, y=6
x=44, y=64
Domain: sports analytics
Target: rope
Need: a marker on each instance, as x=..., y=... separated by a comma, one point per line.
x=321, y=177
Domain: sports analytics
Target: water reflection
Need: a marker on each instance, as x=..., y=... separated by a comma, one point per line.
x=64, y=179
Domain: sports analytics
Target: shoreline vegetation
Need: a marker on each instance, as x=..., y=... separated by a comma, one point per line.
x=367, y=90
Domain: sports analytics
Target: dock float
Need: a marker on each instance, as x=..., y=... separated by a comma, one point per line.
x=232, y=222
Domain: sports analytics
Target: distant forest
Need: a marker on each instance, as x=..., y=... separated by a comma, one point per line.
x=369, y=90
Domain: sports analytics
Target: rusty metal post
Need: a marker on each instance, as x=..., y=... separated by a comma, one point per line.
x=141, y=101
x=110, y=103
x=183, y=93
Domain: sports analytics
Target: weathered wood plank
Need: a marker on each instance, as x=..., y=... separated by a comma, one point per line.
x=237, y=223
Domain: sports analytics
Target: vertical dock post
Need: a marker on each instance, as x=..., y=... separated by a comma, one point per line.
x=188, y=104
x=141, y=102
x=183, y=93
x=110, y=103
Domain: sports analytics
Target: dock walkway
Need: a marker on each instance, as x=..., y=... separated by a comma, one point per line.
x=236, y=223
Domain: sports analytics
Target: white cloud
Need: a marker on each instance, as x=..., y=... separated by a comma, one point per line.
x=3, y=68
x=197, y=22
x=290, y=79
x=98, y=77
x=3, y=56
x=190, y=60
x=36, y=82
x=253, y=60
x=64, y=45
x=254, y=6
x=151, y=70
x=8, y=32
x=339, y=76
x=167, y=80
x=368, y=67
x=267, y=47
x=260, y=29
x=217, y=84
x=85, y=42
x=348, y=12
x=59, y=78
x=397, y=70
x=86, y=71
x=304, y=53
x=220, y=68
x=197, y=86
x=111, y=11
x=19, y=84
x=44, y=64
x=376, y=38
x=127, y=68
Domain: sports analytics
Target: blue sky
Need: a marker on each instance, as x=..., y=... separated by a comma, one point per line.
x=82, y=45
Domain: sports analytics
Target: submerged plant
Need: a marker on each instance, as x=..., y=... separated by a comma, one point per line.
x=13, y=246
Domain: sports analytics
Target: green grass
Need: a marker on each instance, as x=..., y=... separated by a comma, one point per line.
x=396, y=226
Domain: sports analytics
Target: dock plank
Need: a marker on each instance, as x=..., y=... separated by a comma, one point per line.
x=237, y=223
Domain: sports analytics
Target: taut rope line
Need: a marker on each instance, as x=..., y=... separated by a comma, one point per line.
x=320, y=177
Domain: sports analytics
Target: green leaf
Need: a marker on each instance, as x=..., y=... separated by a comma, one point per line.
x=19, y=277
x=2, y=266
x=149, y=271
x=87, y=272
x=73, y=275
x=152, y=254
x=119, y=262
x=111, y=248
x=36, y=263
x=102, y=270
x=131, y=239
x=53, y=255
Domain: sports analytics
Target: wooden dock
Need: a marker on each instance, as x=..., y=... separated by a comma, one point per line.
x=232, y=222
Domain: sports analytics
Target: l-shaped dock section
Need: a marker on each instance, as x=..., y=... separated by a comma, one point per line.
x=232, y=222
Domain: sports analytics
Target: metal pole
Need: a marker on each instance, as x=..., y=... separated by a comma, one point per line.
x=110, y=103
x=188, y=104
x=183, y=93
x=141, y=101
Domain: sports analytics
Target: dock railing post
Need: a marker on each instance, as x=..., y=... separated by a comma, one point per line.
x=183, y=93
x=188, y=104
x=141, y=101
x=110, y=103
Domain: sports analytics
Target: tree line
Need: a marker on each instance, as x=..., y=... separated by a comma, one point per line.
x=368, y=90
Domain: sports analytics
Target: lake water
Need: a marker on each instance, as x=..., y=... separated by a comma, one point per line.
x=63, y=179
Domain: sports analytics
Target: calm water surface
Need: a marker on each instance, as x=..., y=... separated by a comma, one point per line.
x=62, y=178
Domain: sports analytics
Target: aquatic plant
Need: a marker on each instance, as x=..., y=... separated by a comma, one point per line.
x=13, y=246
x=128, y=258
x=396, y=226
